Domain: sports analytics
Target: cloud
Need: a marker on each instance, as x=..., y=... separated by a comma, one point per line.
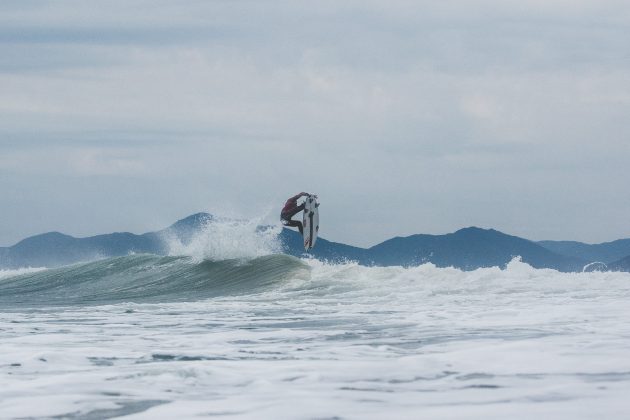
x=441, y=111
x=79, y=162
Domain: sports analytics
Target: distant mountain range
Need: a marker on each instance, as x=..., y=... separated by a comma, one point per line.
x=608, y=252
x=467, y=249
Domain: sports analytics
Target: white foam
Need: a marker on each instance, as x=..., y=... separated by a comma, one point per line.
x=222, y=239
x=350, y=342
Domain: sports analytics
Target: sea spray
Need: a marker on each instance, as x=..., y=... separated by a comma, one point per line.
x=223, y=239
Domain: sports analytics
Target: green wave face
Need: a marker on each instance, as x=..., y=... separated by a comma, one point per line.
x=148, y=279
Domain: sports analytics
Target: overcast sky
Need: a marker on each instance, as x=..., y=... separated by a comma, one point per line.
x=404, y=116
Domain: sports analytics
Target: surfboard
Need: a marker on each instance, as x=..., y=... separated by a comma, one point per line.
x=310, y=221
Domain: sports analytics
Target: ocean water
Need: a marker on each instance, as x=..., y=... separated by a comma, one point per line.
x=272, y=336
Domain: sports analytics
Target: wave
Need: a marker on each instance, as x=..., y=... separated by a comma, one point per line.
x=157, y=279
x=19, y=271
x=148, y=279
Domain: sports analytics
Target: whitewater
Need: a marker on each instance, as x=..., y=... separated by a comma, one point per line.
x=215, y=330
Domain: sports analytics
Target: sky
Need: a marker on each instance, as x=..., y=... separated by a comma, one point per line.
x=403, y=116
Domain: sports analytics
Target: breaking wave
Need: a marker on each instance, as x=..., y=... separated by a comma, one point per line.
x=148, y=278
x=155, y=279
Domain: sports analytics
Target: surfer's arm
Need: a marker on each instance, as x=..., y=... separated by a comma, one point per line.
x=295, y=197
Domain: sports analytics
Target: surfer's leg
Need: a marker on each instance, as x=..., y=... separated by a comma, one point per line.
x=295, y=223
x=286, y=218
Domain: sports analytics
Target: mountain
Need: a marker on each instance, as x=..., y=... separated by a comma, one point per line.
x=467, y=249
x=186, y=228
x=620, y=265
x=55, y=249
x=605, y=252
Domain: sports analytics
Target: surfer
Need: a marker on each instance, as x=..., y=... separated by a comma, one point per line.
x=290, y=209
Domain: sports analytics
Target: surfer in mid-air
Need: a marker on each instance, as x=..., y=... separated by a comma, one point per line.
x=290, y=209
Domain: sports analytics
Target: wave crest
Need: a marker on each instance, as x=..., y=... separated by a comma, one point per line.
x=150, y=279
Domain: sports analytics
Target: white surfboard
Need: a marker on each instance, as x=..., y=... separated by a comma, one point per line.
x=310, y=221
